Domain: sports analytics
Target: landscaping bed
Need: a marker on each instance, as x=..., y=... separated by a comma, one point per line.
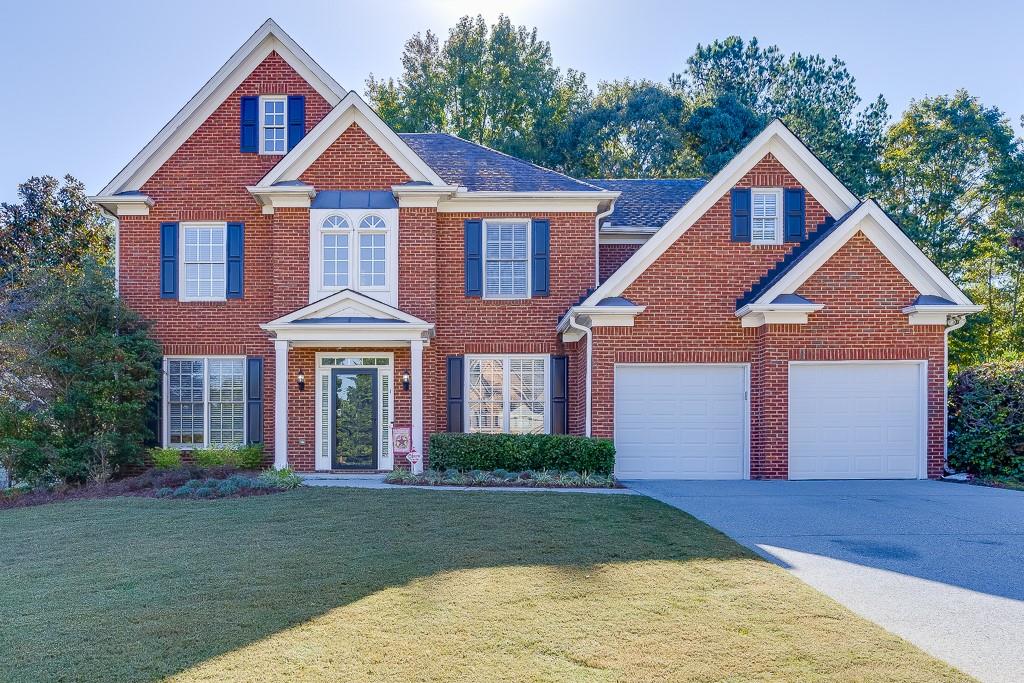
x=181, y=482
x=500, y=477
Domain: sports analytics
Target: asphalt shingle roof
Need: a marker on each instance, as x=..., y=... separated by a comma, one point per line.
x=481, y=169
x=647, y=202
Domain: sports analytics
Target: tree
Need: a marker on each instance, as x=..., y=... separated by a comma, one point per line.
x=632, y=129
x=715, y=132
x=496, y=86
x=53, y=227
x=816, y=97
x=78, y=373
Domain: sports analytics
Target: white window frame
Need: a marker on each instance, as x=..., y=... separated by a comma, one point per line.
x=263, y=119
x=529, y=252
x=182, y=289
x=165, y=401
x=359, y=232
x=349, y=232
x=779, y=210
x=506, y=387
x=388, y=293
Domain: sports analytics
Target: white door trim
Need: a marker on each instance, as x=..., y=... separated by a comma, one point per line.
x=746, y=398
x=922, y=461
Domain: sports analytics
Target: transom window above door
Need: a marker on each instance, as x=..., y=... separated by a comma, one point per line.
x=506, y=259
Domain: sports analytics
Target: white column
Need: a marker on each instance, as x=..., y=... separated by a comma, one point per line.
x=416, y=348
x=280, y=404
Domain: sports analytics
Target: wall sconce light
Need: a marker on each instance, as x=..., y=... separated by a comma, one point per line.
x=301, y=379
x=405, y=381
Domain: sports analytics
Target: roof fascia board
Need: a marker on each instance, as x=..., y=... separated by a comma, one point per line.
x=564, y=201
x=774, y=138
x=349, y=110
x=268, y=38
x=885, y=235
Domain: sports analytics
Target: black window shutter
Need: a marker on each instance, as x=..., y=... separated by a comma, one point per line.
x=559, y=394
x=236, y=261
x=474, y=258
x=254, y=399
x=296, y=119
x=794, y=206
x=456, y=407
x=168, y=260
x=540, y=263
x=249, y=135
x=740, y=203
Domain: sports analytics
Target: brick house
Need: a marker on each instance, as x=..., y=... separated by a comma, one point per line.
x=317, y=281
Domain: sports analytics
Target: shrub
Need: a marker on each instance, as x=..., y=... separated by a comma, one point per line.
x=283, y=478
x=248, y=457
x=165, y=458
x=986, y=419
x=518, y=452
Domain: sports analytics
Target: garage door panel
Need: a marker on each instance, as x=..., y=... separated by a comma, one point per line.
x=855, y=420
x=680, y=421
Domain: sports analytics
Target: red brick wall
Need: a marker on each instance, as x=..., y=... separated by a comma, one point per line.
x=691, y=294
x=354, y=162
x=613, y=256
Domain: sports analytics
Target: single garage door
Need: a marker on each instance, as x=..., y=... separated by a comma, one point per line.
x=856, y=420
x=680, y=421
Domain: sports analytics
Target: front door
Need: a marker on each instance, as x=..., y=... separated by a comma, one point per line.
x=355, y=437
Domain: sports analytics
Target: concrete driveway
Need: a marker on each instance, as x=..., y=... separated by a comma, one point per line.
x=937, y=563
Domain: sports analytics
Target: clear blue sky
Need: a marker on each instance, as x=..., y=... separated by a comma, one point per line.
x=87, y=84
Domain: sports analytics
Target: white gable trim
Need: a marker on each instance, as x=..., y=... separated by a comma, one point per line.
x=268, y=38
x=777, y=140
x=350, y=110
x=347, y=302
x=876, y=225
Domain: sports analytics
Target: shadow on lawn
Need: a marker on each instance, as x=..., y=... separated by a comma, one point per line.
x=128, y=589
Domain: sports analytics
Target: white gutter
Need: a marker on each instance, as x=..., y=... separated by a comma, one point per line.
x=597, y=242
x=960, y=322
x=590, y=349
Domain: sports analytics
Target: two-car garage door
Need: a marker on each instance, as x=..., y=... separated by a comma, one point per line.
x=846, y=421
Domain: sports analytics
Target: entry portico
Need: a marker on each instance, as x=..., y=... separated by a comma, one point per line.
x=354, y=340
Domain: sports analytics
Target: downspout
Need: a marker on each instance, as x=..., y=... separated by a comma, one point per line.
x=597, y=251
x=960, y=321
x=590, y=348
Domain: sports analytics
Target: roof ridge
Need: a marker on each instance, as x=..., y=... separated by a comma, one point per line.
x=668, y=180
x=514, y=158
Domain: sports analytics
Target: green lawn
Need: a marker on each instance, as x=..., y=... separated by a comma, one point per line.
x=361, y=585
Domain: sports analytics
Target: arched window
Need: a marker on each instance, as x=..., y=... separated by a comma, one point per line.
x=334, y=251
x=372, y=222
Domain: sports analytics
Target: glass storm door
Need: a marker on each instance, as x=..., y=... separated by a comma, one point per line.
x=354, y=440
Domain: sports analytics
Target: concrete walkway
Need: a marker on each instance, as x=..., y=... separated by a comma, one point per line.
x=937, y=563
x=376, y=481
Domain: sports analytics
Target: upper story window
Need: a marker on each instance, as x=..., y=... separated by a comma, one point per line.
x=766, y=216
x=372, y=252
x=203, y=271
x=273, y=124
x=335, y=251
x=506, y=259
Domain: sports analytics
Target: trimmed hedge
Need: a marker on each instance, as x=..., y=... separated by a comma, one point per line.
x=518, y=452
x=986, y=420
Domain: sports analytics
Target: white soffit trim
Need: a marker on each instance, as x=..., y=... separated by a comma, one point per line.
x=346, y=299
x=876, y=225
x=777, y=140
x=268, y=38
x=351, y=109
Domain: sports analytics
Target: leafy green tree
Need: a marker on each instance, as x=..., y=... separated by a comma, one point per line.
x=632, y=129
x=715, y=132
x=53, y=227
x=816, y=97
x=78, y=372
x=953, y=177
x=493, y=85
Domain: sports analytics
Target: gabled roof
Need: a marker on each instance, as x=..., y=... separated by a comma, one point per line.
x=351, y=109
x=268, y=38
x=647, y=202
x=482, y=169
x=346, y=306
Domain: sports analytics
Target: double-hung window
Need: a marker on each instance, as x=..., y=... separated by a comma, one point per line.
x=204, y=402
x=507, y=394
x=507, y=259
x=766, y=216
x=203, y=271
x=334, y=238
x=273, y=129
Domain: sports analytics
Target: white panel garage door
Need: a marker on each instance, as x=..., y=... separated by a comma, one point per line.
x=856, y=420
x=680, y=421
